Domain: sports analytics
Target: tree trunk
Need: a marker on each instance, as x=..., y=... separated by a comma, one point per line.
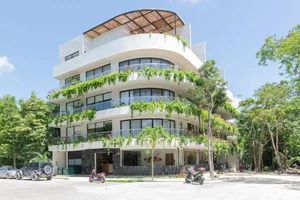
x=257, y=155
x=276, y=152
x=152, y=164
x=260, y=154
x=15, y=163
x=210, y=150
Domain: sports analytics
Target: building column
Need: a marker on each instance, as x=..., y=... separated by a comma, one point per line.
x=95, y=161
x=121, y=158
x=67, y=160
x=197, y=157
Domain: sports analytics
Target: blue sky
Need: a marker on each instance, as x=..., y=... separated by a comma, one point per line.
x=234, y=30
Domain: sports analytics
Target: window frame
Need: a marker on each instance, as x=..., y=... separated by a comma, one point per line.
x=94, y=70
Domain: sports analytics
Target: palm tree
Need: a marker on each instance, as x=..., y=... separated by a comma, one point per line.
x=153, y=136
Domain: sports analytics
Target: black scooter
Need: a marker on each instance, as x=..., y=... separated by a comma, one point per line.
x=194, y=176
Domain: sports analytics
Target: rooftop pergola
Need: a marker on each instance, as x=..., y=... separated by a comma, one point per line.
x=139, y=21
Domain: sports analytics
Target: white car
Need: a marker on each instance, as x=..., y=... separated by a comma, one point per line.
x=7, y=172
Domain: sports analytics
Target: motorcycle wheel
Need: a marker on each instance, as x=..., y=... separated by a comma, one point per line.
x=102, y=179
x=201, y=181
x=187, y=180
x=91, y=179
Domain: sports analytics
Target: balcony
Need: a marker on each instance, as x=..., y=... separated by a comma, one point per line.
x=136, y=67
x=106, y=134
x=117, y=103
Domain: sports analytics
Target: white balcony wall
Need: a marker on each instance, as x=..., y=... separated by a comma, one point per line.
x=139, y=45
x=71, y=46
x=109, y=36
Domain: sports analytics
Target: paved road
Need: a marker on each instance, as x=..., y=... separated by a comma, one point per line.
x=230, y=187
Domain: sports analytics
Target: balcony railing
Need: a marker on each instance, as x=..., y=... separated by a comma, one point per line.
x=117, y=103
x=132, y=67
x=97, y=75
x=136, y=67
x=90, y=137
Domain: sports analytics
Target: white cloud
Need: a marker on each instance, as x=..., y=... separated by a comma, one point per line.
x=5, y=65
x=190, y=2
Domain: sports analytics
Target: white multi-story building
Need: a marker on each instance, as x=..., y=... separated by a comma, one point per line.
x=128, y=41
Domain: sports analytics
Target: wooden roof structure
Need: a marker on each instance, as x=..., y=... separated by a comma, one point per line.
x=139, y=21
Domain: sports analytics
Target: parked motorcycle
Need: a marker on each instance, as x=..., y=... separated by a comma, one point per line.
x=194, y=176
x=97, y=177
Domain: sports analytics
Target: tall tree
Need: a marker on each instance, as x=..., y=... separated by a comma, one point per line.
x=23, y=129
x=152, y=136
x=35, y=113
x=209, y=94
x=283, y=50
x=12, y=131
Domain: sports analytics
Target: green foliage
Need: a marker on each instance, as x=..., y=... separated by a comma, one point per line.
x=284, y=50
x=273, y=115
x=149, y=72
x=182, y=107
x=23, y=128
x=73, y=117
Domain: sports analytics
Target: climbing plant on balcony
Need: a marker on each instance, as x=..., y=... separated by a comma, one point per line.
x=73, y=117
x=149, y=72
x=181, y=107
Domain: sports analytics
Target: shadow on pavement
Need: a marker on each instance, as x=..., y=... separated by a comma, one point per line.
x=293, y=185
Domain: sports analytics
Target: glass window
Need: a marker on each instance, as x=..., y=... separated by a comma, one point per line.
x=157, y=122
x=172, y=123
x=77, y=130
x=156, y=92
x=106, y=68
x=98, y=98
x=134, y=61
x=166, y=93
x=90, y=100
x=70, y=132
x=91, y=128
x=77, y=104
x=107, y=96
x=166, y=124
x=125, y=98
x=98, y=71
x=89, y=74
x=131, y=158
x=135, y=93
x=145, y=60
x=99, y=127
x=136, y=124
x=156, y=60
x=146, y=123
x=107, y=126
x=69, y=106
x=145, y=92
x=125, y=127
x=123, y=64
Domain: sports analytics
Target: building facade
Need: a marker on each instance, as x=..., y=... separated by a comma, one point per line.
x=129, y=41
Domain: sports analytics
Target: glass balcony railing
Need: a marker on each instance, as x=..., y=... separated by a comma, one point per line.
x=97, y=75
x=136, y=67
x=90, y=137
x=117, y=103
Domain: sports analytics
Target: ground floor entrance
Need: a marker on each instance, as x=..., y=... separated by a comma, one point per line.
x=134, y=161
x=104, y=162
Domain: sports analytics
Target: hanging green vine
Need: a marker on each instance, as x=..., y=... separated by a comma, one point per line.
x=73, y=117
x=149, y=72
x=182, y=107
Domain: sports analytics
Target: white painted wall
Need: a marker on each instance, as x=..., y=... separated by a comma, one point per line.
x=158, y=45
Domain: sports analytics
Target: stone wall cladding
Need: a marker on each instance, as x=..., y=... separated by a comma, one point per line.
x=146, y=170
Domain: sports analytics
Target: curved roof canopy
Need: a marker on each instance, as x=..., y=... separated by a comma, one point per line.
x=139, y=21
